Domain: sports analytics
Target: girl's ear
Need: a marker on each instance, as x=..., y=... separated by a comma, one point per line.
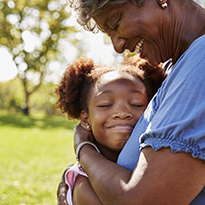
x=85, y=121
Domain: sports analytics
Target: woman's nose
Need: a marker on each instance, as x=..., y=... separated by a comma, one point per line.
x=119, y=43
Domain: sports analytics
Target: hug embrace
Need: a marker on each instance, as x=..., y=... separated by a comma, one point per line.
x=162, y=162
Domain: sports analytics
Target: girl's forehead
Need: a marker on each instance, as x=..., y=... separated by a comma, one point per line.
x=114, y=81
x=115, y=75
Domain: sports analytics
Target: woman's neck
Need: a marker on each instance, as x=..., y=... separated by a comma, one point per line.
x=186, y=28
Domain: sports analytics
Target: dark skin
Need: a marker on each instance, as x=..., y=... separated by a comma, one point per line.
x=167, y=33
x=122, y=185
x=184, y=170
x=115, y=103
x=62, y=190
x=82, y=188
x=164, y=35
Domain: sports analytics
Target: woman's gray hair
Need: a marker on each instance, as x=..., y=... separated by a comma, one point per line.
x=87, y=9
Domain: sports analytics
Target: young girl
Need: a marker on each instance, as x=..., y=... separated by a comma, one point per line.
x=109, y=101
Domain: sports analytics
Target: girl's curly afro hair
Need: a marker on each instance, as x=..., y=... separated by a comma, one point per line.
x=76, y=83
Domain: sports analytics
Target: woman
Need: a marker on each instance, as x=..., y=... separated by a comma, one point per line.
x=163, y=160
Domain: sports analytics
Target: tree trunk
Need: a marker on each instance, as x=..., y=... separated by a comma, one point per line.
x=26, y=107
x=28, y=93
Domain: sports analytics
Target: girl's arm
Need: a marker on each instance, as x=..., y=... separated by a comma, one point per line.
x=83, y=193
x=62, y=189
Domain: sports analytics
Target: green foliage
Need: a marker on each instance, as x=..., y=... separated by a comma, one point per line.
x=41, y=102
x=11, y=95
x=45, y=24
x=43, y=19
x=44, y=99
x=34, y=152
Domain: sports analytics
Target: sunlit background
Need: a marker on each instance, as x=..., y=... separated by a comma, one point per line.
x=39, y=39
x=97, y=46
x=96, y=49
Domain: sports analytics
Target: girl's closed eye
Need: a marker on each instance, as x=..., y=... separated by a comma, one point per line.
x=103, y=101
x=104, y=105
x=137, y=103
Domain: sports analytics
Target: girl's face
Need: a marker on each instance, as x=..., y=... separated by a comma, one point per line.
x=135, y=28
x=115, y=103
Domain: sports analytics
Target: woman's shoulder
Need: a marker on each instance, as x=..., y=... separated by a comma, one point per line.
x=198, y=45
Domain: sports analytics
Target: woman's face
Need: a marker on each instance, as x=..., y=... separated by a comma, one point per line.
x=115, y=104
x=135, y=28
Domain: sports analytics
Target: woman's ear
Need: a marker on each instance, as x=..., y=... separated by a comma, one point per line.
x=85, y=121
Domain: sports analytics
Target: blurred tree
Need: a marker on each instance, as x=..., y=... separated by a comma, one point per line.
x=41, y=101
x=34, y=32
x=11, y=96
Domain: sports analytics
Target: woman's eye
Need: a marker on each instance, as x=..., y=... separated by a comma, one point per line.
x=115, y=26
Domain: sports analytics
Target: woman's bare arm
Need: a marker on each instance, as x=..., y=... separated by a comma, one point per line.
x=161, y=177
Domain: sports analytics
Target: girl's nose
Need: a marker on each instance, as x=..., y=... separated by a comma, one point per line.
x=119, y=43
x=122, y=115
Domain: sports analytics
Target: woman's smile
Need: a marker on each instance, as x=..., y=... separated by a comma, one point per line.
x=139, y=46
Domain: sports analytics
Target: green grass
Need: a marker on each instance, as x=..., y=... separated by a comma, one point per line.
x=33, y=155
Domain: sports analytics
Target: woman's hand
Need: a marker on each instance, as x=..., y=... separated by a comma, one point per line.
x=81, y=135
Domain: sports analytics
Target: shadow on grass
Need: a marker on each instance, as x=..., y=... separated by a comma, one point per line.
x=29, y=122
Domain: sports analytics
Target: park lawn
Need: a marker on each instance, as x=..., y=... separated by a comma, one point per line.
x=33, y=155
